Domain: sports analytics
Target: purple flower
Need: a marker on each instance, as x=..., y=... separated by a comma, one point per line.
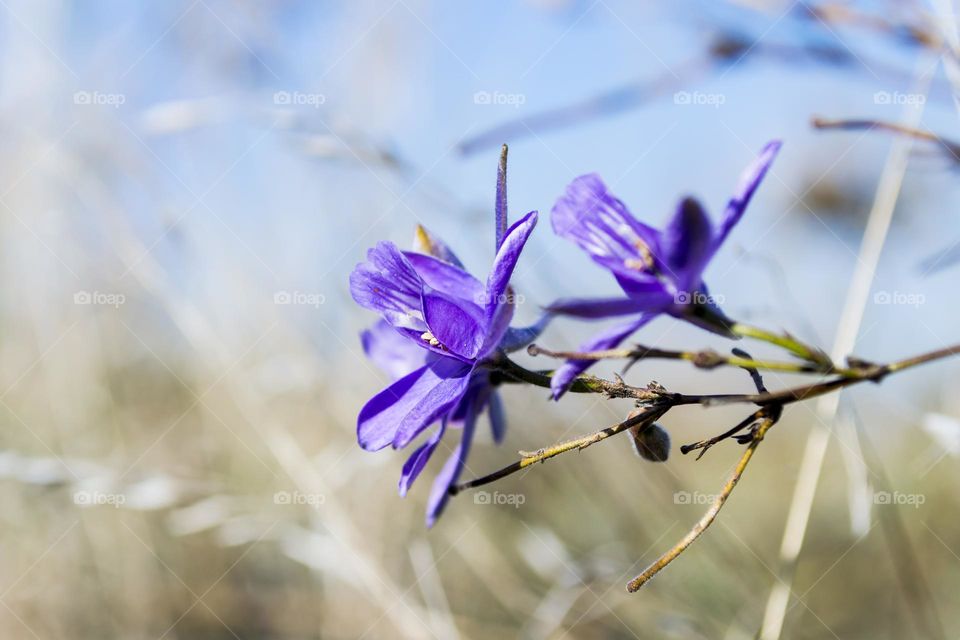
x=661, y=271
x=439, y=323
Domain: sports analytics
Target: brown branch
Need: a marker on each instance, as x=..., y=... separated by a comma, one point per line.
x=650, y=414
x=658, y=401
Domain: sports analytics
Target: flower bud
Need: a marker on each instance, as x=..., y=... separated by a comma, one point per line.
x=650, y=441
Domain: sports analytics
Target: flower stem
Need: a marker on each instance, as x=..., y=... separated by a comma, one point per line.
x=704, y=359
x=788, y=342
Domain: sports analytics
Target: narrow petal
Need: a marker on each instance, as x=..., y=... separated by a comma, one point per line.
x=426, y=243
x=499, y=325
x=501, y=204
x=749, y=181
x=596, y=308
x=392, y=352
x=498, y=419
x=687, y=244
x=451, y=471
x=600, y=224
x=639, y=285
x=519, y=337
x=419, y=458
x=389, y=284
x=445, y=277
x=411, y=404
x=454, y=324
x=609, y=339
x=499, y=278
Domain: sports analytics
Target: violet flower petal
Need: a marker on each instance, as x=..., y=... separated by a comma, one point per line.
x=517, y=338
x=450, y=474
x=454, y=324
x=597, y=308
x=498, y=419
x=388, y=283
x=687, y=244
x=391, y=352
x=446, y=277
x=749, y=181
x=590, y=216
x=418, y=459
x=499, y=279
x=401, y=411
x=609, y=339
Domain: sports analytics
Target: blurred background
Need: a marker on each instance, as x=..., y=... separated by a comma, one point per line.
x=185, y=187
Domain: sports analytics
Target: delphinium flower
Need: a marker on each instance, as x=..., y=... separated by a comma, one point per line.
x=660, y=271
x=439, y=324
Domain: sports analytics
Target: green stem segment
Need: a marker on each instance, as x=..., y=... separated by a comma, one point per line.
x=788, y=342
x=705, y=359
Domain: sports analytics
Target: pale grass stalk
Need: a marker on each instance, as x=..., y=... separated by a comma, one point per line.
x=431, y=588
x=407, y=616
x=851, y=318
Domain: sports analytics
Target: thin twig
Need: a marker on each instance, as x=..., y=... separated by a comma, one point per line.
x=528, y=458
x=863, y=372
x=660, y=401
x=709, y=516
x=949, y=146
x=703, y=359
x=851, y=318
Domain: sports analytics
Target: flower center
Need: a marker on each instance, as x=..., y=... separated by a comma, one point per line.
x=429, y=338
x=645, y=262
